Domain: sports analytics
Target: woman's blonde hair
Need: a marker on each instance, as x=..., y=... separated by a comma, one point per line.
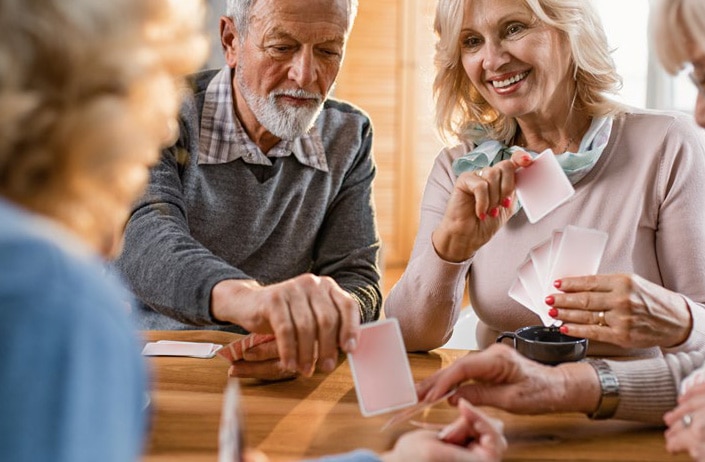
x=88, y=95
x=461, y=110
x=675, y=24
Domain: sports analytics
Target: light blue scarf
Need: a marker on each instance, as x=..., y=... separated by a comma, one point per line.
x=575, y=164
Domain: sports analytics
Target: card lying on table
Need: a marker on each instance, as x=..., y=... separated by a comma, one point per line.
x=380, y=369
x=542, y=186
x=176, y=348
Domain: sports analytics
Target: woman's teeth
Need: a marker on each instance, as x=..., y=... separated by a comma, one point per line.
x=509, y=81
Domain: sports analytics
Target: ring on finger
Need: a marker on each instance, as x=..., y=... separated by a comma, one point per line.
x=601, y=319
x=687, y=420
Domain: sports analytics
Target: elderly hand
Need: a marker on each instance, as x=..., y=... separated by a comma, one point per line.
x=499, y=376
x=310, y=316
x=626, y=310
x=686, y=424
x=481, y=202
x=473, y=437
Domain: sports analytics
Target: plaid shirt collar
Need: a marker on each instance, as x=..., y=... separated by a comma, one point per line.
x=223, y=139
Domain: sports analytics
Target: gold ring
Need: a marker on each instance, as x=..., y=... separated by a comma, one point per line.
x=601, y=319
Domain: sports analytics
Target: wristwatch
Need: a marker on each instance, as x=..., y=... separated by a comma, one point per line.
x=609, y=384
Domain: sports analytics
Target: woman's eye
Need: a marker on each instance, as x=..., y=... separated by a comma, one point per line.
x=471, y=42
x=515, y=28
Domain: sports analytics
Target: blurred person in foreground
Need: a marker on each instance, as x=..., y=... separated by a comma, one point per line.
x=668, y=389
x=260, y=217
x=88, y=95
x=513, y=79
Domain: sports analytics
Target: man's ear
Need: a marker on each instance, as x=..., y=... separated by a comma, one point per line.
x=229, y=40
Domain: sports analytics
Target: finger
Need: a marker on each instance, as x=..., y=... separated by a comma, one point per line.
x=591, y=283
x=471, y=184
x=695, y=391
x=508, y=182
x=349, y=312
x=304, y=321
x=262, y=351
x=327, y=318
x=280, y=320
x=521, y=159
x=263, y=370
x=493, y=178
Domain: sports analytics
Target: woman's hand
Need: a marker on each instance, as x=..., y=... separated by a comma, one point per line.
x=472, y=437
x=500, y=377
x=686, y=424
x=481, y=202
x=622, y=309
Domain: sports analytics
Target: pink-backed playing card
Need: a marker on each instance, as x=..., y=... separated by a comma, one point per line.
x=380, y=369
x=542, y=186
x=579, y=254
x=235, y=351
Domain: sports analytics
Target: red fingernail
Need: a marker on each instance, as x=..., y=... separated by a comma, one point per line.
x=557, y=283
x=482, y=217
x=526, y=158
x=564, y=329
x=553, y=312
x=549, y=300
x=494, y=213
x=506, y=202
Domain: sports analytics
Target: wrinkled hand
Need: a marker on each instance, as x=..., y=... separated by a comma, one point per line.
x=472, y=437
x=309, y=315
x=481, y=202
x=687, y=438
x=500, y=377
x=637, y=312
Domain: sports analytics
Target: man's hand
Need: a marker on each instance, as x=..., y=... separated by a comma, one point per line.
x=310, y=317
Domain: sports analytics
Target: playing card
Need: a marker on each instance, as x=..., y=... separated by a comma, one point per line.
x=542, y=186
x=541, y=258
x=579, y=254
x=572, y=251
x=235, y=351
x=380, y=369
x=528, y=276
x=176, y=348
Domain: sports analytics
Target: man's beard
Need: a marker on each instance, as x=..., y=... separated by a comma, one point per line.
x=281, y=120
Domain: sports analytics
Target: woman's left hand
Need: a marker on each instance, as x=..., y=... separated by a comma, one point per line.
x=686, y=424
x=622, y=309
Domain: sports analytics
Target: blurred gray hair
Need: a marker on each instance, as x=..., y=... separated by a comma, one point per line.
x=239, y=12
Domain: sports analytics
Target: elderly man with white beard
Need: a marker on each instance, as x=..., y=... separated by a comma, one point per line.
x=260, y=218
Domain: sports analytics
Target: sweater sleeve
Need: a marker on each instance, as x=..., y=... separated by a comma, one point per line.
x=648, y=388
x=166, y=267
x=428, y=298
x=680, y=236
x=348, y=243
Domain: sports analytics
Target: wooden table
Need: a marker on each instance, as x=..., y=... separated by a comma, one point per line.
x=308, y=417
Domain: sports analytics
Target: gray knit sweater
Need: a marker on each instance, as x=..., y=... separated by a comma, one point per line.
x=200, y=224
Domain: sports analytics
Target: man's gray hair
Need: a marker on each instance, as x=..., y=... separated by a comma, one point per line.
x=239, y=12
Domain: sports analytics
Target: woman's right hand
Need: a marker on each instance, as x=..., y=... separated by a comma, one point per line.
x=481, y=202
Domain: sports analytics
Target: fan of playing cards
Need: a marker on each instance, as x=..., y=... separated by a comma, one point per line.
x=572, y=251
